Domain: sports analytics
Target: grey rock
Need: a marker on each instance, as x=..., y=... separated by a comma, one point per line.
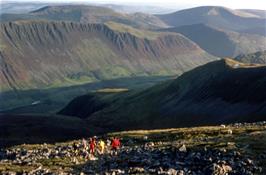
x=182, y=148
x=136, y=170
x=172, y=171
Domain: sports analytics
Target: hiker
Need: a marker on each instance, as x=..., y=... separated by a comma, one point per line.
x=85, y=148
x=101, y=146
x=108, y=145
x=75, y=147
x=92, y=144
x=115, y=145
x=108, y=142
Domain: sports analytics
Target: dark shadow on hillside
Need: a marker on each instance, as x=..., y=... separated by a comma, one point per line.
x=39, y=129
x=54, y=99
x=34, y=129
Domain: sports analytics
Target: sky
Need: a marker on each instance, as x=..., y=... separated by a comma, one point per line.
x=234, y=4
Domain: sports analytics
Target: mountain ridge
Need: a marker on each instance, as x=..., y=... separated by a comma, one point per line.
x=209, y=94
x=77, y=45
x=219, y=42
x=86, y=14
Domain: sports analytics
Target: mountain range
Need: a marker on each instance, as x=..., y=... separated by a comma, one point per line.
x=86, y=14
x=25, y=7
x=221, y=31
x=66, y=45
x=236, y=31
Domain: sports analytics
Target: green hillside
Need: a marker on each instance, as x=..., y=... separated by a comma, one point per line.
x=218, y=92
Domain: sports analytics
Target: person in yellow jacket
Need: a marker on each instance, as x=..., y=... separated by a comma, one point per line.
x=101, y=146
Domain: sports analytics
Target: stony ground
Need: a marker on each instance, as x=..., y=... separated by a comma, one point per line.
x=219, y=150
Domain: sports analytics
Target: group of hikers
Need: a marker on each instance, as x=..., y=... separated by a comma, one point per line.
x=94, y=146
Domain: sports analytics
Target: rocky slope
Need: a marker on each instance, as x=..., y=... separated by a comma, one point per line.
x=220, y=150
x=222, y=43
x=51, y=54
x=256, y=58
x=218, y=92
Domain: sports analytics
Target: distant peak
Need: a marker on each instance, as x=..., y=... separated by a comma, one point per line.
x=56, y=8
x=41, y=9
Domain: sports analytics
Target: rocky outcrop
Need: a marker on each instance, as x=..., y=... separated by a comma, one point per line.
x=255, y=58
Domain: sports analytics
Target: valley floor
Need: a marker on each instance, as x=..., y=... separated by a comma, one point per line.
x=231, y=149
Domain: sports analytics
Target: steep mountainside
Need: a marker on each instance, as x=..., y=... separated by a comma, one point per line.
x=86, y=14
x=219, y=17
x=218, y=92
x=52, y=54
x=257, y=58
x=219, y=42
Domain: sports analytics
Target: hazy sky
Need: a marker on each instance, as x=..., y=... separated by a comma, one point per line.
x=236, y=4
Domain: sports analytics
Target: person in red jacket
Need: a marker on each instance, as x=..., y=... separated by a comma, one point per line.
x=92, y=145
x=115, y=145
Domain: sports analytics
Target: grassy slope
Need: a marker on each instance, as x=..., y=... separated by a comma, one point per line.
x=209, y=94
x=221, y=43
x=18, y=129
